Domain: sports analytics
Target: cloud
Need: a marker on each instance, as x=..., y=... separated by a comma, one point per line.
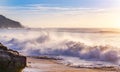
x=54, y=16
x=40, y=9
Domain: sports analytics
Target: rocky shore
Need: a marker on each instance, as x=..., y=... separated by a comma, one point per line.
x=10, y=60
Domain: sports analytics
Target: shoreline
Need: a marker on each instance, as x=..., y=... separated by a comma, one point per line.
x=51, y=65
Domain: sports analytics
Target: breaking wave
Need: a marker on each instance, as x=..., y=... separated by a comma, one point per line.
x=36, y=43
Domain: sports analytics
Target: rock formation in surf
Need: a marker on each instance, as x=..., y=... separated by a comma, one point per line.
x=10, y=60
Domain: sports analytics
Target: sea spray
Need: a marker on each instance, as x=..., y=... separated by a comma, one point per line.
x=59, y=44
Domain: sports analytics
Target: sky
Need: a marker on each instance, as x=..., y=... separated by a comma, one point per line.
x=63, y=13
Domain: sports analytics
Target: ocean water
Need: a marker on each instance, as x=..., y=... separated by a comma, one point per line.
x=76, y=47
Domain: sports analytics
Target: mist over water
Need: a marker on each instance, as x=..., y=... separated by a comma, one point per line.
x=89, y=49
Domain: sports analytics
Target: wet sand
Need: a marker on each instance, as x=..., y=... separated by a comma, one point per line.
x=47, y=65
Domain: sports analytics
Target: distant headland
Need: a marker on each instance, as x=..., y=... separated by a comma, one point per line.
x=8, y=23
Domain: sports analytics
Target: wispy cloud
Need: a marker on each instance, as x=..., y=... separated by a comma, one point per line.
x=40, y=9
x=46, y=15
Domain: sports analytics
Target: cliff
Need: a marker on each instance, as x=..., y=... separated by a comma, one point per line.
x=8, y=23
x=10, y=60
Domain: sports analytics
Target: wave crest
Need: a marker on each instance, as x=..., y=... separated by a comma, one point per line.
x=45, y=44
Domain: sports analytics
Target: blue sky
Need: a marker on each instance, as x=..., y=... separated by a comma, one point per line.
x=64, y=3
x=63, y=13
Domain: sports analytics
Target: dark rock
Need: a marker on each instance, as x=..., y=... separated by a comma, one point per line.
x=3, y=47
x=8, y=23
x=10, y=60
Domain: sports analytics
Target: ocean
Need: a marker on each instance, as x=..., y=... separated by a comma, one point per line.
x=77, y=47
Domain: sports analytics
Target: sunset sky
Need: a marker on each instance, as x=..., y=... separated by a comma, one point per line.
x=63, y=13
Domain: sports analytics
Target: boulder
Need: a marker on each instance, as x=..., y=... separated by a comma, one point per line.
x=10, y=60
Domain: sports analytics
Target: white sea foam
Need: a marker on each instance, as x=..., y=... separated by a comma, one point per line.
x=85, y=48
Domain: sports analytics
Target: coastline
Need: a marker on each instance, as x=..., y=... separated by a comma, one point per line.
x=51, y=65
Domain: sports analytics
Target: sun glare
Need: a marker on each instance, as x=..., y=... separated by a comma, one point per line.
x=117, y=23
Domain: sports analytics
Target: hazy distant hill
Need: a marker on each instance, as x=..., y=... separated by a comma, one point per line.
x=8, y=23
